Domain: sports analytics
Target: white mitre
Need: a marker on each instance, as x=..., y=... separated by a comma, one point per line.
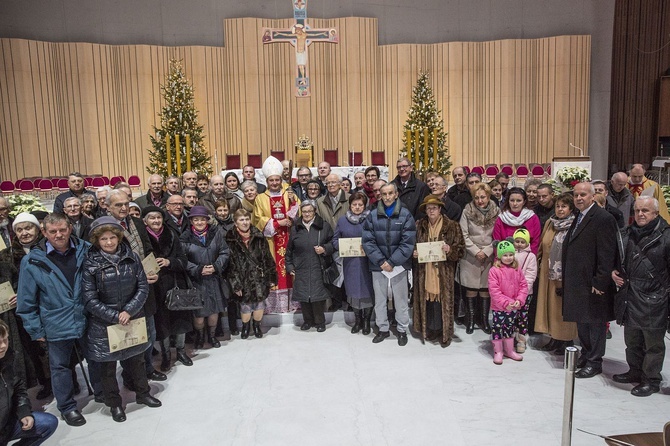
x=272, y=166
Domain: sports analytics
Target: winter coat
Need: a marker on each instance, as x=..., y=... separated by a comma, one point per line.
x=108, y=289
x=528, y=266
x=473, y=273
x=452, y=236
x=145, y=200
x=588, y=260
x=252, y=269
x=356, y=270
x=169, y=247
x=50, y=307
x=623, y=201
x=14, y=400
x=308, y=285
x=214, y=252
x=389, y=239
x=413, y=194
x=209, y=201
x=172, y=224
x=502, y=230
x=643, y=301
x=506, y=285
x=331, y=214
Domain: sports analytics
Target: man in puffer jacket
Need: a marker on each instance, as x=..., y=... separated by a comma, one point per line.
x=389, y=235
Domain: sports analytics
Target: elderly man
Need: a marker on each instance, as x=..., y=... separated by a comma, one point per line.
x=189, y=179
x=450, y=209
x=249, y=174
x=274, y=211
x=156, y=196
x=323, y=170
x=411, y=190
x=300, y=186
x=175, y=213
x=287, y=171
x=376, y=194
x=544, y=209
x=172, y=185
x=589, y=253
x=190, y=196
x=219, y=192
x=460, y=187
x=389, y=235
x=77, y=185
x=101, y=197
x=5, y=222
x=639, y=184
x=642, y=302
x=50, y=303
x=80, y=223
x=620, y=197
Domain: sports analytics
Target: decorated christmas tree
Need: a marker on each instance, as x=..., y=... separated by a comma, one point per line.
x=178, y=118
x=424, y=116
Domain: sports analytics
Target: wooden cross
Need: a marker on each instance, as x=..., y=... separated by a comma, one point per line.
x=300, y=35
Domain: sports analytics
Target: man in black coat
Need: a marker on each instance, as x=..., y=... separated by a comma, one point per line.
x=77, y=185
x=450, y=209
x=460, y=189
x=642, y=303
x=175, y=217
x=589, y=253
x=411, y=190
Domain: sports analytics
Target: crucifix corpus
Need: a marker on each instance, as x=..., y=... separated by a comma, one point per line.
x=300, y=35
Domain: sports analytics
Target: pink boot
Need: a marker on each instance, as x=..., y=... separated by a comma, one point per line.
x=508, y=348
x=497, y=351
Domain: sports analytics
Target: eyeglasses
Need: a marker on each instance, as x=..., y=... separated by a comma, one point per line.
x=403, y=166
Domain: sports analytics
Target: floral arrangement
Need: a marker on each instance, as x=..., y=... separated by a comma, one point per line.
x=570, y=176
x=666, y=194
x=24, y=203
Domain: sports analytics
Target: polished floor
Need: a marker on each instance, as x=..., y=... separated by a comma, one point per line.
x=335, y=388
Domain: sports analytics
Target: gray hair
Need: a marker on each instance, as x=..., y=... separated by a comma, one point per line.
x=72, y=199
x=395, y=187
x=188, y=189
x=654, y=201
x=105, y=189
x=308, y=203
x=114, y=193
x=248, y=183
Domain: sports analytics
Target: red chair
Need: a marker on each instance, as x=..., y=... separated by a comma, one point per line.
x=62, y=185
x=478, y=169
x=355, y=158
x=98, y=182
x=88, y=181
x=466, y=169
x=279, y=154
x=115, y=180
x=522, y=170
x=7, y=187
x=547, y=169
x=255, y=160
x=491, y=170
x=26, y=186
x=105, y=180
x=233, y=162
x=134, y=182
x=36, y=182
x=537, y=170
x=45, y=187
x=378, y=158
x=507, y=169
x=54, y=182
x=17, y=183
x=331, y=156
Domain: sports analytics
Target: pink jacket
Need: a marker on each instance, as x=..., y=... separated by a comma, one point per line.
x=528, y=266
x=506, y=285
x=501, y=231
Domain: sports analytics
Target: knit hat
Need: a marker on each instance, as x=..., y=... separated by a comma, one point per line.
x=523, y=234
x=25, y=217
x=503, y=248
x=198, y=211
x=272, y=167
x=106, y=220
x=149, y=209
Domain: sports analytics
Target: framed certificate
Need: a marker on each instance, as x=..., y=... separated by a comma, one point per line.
x=431, y=252
x=6, y=293
x=150, y=266
x=122, y=337
x=351, y=247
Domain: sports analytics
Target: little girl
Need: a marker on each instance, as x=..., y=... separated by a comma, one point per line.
x=528, y=266
x=508, y=290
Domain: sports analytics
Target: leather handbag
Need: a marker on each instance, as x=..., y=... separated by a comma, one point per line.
x=184, y=299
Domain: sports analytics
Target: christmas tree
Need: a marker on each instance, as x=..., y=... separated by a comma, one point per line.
x=424, y=115
x=178, y=117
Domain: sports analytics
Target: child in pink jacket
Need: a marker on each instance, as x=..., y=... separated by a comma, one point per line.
x=508, y=289
x=528, y=266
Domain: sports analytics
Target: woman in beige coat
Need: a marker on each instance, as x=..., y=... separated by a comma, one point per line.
x=477, y=222
x=549, y=314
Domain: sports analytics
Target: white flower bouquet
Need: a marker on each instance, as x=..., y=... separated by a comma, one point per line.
x=570, y=176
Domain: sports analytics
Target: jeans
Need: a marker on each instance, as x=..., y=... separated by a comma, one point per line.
x=45, y=425
x=60, y=353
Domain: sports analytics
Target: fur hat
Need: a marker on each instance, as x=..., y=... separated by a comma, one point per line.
x=25, y=217
x=272, y=167
x=503, y=248
x=523, y=234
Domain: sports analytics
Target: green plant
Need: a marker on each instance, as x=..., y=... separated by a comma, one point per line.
x=24, y=203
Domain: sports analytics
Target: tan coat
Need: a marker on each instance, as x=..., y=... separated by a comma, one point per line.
x=549, y=313
x=474, y=274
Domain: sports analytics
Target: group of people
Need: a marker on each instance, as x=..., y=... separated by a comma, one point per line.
x=511, y=261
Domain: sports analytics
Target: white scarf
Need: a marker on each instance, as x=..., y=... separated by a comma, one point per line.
x=512, y=220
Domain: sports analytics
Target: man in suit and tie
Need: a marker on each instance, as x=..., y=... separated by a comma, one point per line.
x=589, y=254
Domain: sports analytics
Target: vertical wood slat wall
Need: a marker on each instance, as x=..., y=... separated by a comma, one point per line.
x=640, y=57
x=91, y=107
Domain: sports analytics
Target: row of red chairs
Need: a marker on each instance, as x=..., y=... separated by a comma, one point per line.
x=535, y=170
x=59, y=184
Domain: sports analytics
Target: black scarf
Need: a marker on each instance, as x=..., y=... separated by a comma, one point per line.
x=637, y=233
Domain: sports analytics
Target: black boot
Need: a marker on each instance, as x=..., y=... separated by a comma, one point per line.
x=183, y=357
x=257, y=329
x=470, y=315
x=199, y=338
x=165, y=361
x=232, y=319
x=358, y=323
x=246, y=326
x=367, y=315
x=212, y=338
x=486, y=306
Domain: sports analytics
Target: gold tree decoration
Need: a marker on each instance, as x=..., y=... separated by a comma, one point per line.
x=178, y=117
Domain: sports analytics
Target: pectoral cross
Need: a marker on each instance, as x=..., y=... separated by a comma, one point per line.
x=300, y=36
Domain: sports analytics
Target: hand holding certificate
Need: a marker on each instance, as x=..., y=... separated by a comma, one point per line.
x=122, y=337
x=150, y=265
x=351, y=247
x=7, y=295
x=431, y=252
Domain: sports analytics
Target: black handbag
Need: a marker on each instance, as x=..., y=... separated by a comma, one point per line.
x=184, y=299
x=330, y=272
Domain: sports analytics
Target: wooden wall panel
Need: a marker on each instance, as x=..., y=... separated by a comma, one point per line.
x=90, y=107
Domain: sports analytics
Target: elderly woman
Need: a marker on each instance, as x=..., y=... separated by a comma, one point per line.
x=515, y=215
x=313, y=190
x=207, y=253
x=172, y=260
x=252, y=270
x=434, y=281
x=114, y=289
x=530, y=186
x=477, y=222
x=88, y=206
x=549, y=312
x=309, y=252
x=356, y=270
x=250, y=190
x=233, y=184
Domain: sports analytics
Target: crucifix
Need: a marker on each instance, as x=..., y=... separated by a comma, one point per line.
x=300, y=36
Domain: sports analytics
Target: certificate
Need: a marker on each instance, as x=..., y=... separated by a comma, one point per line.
x=150, y=266
x=122, y=337
x=431, y=252
x=6, y=293
x=351, y=247
x=3, y=245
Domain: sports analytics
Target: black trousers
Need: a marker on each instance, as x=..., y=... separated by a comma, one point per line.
x=645, y=351
x=134, y=366
x=592, y=337
x=314, y=312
